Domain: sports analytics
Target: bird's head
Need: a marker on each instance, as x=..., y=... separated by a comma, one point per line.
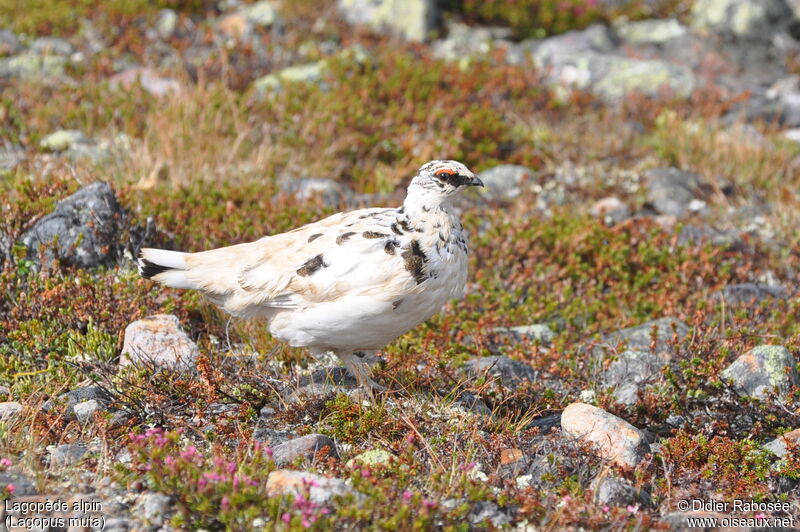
x=437, y=181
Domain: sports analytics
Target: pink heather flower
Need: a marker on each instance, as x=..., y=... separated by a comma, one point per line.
x=566, y=499
x=606, y=509
x=11, y=489
x=225, y=502
x=268, y=452
x=231, y=467
x=365, y=472
x=169, y=460
x=407, y=494
x=202, y=483
x=430, y=505
x=189, y=453
x=306, y=523
x=5, y=462
x=467, y=467
x=286, y=517
x=633, y=509
x=761, y=515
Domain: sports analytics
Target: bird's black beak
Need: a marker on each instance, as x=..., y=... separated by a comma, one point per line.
x=475, y=181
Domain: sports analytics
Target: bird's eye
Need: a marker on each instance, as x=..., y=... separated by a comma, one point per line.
x=445, y=172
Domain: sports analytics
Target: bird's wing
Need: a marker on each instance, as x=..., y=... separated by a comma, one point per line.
x=353, y=253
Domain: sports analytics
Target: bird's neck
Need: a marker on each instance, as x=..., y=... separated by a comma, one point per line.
x=422, y=204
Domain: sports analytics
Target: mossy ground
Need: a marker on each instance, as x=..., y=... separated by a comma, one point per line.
x=203, y=167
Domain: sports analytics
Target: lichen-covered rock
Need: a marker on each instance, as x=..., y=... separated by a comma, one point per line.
x=166, y=23
x=304, y=447
x=261, y=14
x=148, y=78
x=614, y=439
x=332, y=193
x=412, y=19
x=307, y=73
x=159, y=341
x=82, y=231
x=589, y=60
x=505, y=181
x=63, y=139
x=30, y=65
x=630, y=372
x=9, y=43
x=653, y=31
x=748, y=19
x=763, y=369
x=317, y=488
x=52, y=45
x=508, y=372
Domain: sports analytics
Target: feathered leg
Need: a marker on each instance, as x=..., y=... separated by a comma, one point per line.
x=360, y=370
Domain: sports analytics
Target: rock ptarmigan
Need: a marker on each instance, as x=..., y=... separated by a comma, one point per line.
x=348, y=284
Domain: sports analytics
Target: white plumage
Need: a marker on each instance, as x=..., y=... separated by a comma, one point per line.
x=350, y=283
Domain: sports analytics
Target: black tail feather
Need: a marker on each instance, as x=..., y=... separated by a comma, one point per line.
x=149, y=269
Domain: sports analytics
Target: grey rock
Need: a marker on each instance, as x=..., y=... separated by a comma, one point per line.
x=155, y=508
x=743, y=19
x=52, y=45
x=77, y=396
x=639, y=338
x=472, y=403
x=272, y=437
x=22, y=484
x=303, y=447
x=487, y=511
x=159, y=340
x=319, y=489
x=266, y=412
x=762, y=369
x=630, y=372
x=84, y=411
x=616, y=491
x=780, y=445
x=505, y=181
x=332, y=193
x=670, y=190
x=596, y=38
x=412, y=19
x=611, y=210
x=749, y=293
x=9, y=409
x=9, y=43
x=66, y=455
x=63, y=139
x=508, y=372
x=653, y=31
x=545, y=424
x=29, y=65
x=700, y=234
x=166, y=23
x=10, y=158
x=614, y=439
x=85, y=227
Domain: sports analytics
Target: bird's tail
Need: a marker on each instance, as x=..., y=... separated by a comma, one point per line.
x=166, y=267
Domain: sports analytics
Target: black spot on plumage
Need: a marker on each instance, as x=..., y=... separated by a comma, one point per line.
x=415, y=260
x=148, y=269
x=395, y=229
x=343, y=237
x=405, y=225
x=311, y=266
x=401, y=210
x=373, y=234
x=396, y=304
x=390, y=246
x=314, y=237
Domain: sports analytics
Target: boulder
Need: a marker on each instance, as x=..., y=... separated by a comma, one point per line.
x=159, y=340
x=763, y=369
x=82, y=231
x=412, y=19
x=614, y=439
